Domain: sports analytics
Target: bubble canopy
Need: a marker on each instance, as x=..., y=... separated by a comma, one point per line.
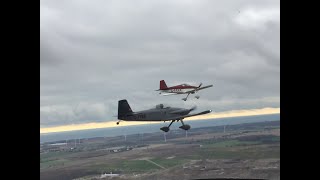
x=161, y=106
x=185, y=85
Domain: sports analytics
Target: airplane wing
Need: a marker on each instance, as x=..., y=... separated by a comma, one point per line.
x=197, y=114
x=204, y=87
x=189, y=115
x=188, y=92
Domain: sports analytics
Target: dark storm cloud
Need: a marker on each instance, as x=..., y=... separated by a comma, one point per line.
x=93, y=53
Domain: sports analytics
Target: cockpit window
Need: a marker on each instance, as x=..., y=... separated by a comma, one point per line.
x=161, y=106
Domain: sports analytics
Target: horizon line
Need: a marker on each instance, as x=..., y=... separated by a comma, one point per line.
x=112, y=123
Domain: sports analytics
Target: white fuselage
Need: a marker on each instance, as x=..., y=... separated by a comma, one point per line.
x=177, y=91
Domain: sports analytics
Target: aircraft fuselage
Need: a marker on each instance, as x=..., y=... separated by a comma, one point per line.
x=164, y=114
x=159, y=113
x=177, y=90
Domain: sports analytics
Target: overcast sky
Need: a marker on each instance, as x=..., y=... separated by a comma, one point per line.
x=96, y=52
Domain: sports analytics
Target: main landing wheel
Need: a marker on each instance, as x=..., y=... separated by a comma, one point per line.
x=185, y=127
x=165, y=129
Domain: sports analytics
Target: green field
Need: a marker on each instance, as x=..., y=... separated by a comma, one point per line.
x=170, y=162
x=226, y=149
x=126, y=166
x=228, y=143
x=173, y=155
x=258, y=152
x=241, y=149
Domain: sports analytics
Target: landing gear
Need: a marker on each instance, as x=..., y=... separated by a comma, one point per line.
x=165, y=128
x=118, y=122
x=184, y=126
x=185, y=97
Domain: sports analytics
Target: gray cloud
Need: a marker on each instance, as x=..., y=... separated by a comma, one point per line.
x=94, y=53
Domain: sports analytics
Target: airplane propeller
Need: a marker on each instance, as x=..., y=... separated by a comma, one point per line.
x=198, y=87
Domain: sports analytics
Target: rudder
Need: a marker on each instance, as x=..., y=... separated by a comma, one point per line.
x=163, y=85
x=123, y=108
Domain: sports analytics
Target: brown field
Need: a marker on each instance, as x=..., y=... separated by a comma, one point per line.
x=235, y=154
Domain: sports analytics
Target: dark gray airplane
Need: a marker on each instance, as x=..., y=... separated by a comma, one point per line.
x=160, y=113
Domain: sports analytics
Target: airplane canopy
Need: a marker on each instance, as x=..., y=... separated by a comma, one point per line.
x=161, y=106
x=185, y=85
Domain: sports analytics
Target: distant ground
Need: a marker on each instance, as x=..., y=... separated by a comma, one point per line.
x=249, y=150
x=152, y=128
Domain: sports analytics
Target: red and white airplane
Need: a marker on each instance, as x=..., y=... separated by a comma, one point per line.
x=180, y=89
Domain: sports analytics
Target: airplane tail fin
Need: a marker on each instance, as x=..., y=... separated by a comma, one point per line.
x=123, y=108
x=163, y=85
